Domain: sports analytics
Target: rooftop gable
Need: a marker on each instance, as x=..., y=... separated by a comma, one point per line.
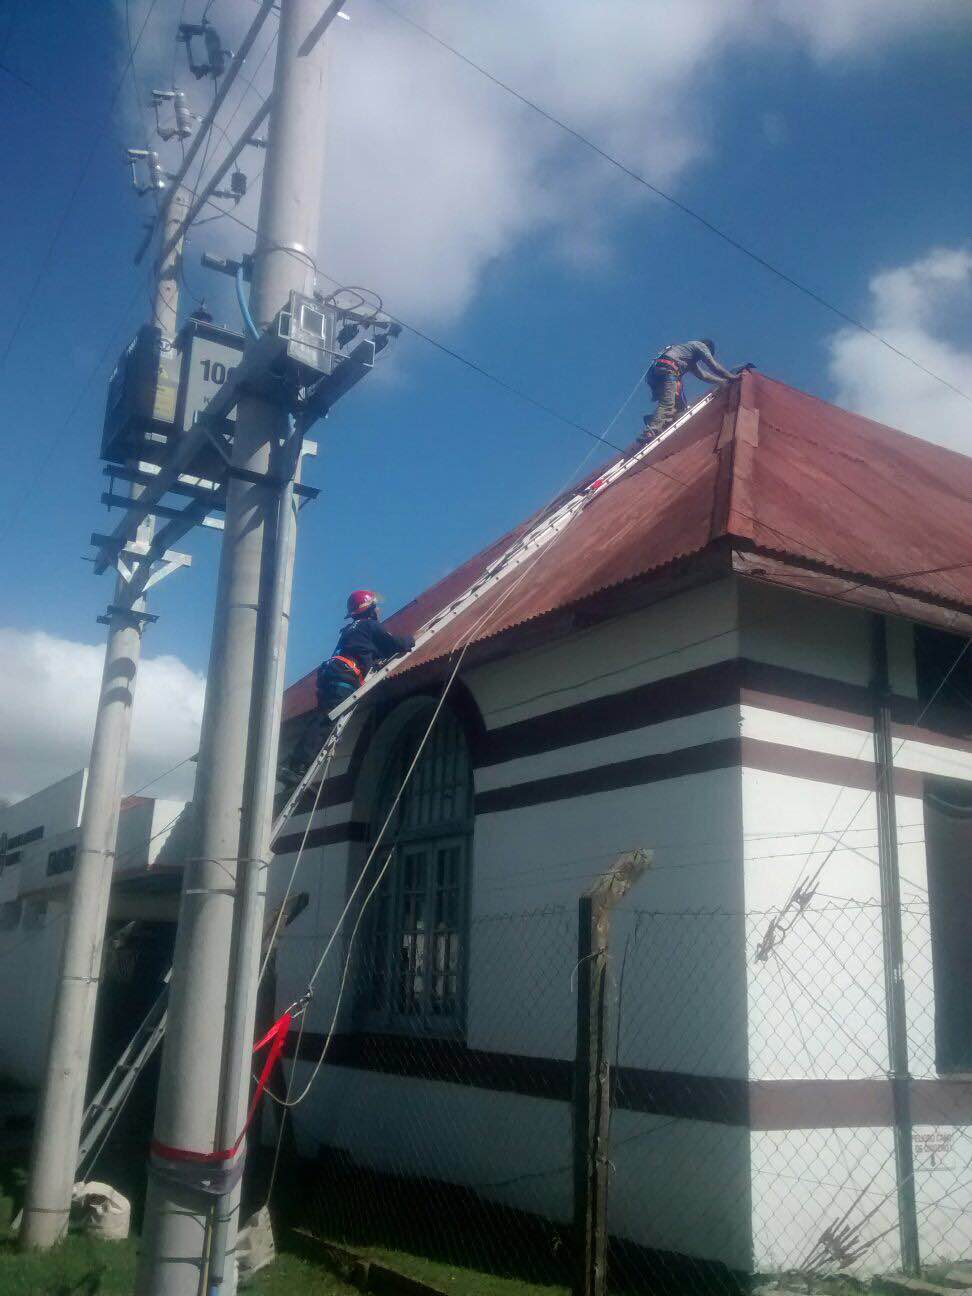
x=791, y=489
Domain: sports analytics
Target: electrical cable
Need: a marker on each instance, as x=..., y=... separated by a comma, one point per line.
x=830, y=559
x=139, y=109
x=465, y=360
x=72, y=196
x=165, y=774
x=244, y=305
x=287, y=1102
x=673, y=201
x=22, y=79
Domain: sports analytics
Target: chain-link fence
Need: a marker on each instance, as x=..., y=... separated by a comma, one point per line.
x=754, y=1125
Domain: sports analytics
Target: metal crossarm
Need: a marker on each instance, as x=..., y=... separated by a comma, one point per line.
x=549, y=526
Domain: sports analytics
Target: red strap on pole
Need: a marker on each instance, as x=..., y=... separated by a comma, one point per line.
x=275, y=1037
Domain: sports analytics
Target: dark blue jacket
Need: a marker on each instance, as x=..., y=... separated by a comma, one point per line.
x=365, y=642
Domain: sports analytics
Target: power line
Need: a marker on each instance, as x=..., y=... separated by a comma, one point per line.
x=17, y=77
x=826, y=558
x=671, y=199
x=139, y=109
x=462, y=359
x=76, y=189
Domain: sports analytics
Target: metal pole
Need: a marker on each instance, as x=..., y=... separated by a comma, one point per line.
x=894, y=991
x=214, y=978
x=58, y=1130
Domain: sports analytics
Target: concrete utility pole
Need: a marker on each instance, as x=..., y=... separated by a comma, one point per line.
x=205, y=1065
x=55, y=1152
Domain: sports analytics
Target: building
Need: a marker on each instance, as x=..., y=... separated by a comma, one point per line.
x=694, y=666
x=38, y=842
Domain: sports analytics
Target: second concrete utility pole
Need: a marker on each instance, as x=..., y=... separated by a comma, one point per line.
x=54, y=1154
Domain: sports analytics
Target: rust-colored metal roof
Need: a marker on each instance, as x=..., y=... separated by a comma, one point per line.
x=839, y=505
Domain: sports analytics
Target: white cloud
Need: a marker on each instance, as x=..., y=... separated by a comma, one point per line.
x=912, y=306
x=48, y=696
x=833, y=28
x=432, y=173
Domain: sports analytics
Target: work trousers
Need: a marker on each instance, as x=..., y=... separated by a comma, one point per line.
x=667, y=391
x=318, y=725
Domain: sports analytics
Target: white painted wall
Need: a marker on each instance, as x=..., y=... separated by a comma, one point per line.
x=33, y=908
x=694, y=998
x=529, y=867
x=816, y=1006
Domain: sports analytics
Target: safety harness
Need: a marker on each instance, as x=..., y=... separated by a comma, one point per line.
x=352, y=666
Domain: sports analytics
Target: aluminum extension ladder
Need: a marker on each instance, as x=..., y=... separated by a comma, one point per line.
x=106, y=1106
x=548, y=527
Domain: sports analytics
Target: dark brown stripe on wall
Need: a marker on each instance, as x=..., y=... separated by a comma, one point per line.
x=339, y=788
x=709, y=688
x=329, y=835
x=822, y=767
x=723, y=1100
x=675, y=1093
x=727, y=683
x=696, y=691
x=445, y=1060
x=722, y=754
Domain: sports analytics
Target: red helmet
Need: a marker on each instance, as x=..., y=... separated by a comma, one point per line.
x=361, y=602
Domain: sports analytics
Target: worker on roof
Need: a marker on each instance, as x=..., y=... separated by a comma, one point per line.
x=362, y=644
x=665, y=375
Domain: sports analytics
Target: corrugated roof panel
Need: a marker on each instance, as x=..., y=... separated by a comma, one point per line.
x=788, y=474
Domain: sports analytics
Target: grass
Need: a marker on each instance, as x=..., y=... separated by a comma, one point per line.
x=85, y=1267
x=450, y=1279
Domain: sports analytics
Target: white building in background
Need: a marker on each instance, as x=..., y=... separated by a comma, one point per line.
x=690, y=668
x=38, y=842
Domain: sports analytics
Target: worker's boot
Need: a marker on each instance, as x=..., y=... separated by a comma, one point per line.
x=289, y=773
x=648, y=432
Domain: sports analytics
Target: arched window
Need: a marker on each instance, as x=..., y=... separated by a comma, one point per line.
x=414, y=970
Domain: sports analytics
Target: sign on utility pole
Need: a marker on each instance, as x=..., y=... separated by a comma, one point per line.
x=58, y=1128
x=193, y=1194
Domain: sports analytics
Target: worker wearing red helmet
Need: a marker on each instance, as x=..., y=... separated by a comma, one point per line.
x=363, y=643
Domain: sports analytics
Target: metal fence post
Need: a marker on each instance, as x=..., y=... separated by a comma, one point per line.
x=897, y=1021
x=592, y=1071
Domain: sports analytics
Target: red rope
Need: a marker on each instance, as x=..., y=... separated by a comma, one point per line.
x=275, y=1037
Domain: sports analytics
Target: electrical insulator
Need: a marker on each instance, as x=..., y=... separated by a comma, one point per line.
x=217, y=56
x=157, y=178
x=183, y=117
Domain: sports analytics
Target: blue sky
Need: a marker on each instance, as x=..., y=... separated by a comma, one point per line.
x=838, y=150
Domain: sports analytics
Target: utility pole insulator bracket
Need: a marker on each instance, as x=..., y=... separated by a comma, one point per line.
x=138, y=619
